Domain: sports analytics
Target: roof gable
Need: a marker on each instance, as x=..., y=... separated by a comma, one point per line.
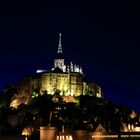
x=100, y=128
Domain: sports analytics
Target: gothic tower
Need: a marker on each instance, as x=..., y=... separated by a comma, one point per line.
x=59, y=59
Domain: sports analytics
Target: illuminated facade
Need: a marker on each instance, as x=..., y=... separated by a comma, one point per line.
x=65, y=83
x=66, y=79
x=63, y=79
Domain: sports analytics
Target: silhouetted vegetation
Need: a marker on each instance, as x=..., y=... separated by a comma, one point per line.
x=43, y=111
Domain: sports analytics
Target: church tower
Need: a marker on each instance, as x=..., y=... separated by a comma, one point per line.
x=59, y=59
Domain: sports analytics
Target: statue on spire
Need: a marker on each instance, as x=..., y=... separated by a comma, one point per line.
x=59, y=45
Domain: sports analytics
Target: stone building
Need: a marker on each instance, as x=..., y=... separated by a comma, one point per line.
x=63, y=79
x=68, y=79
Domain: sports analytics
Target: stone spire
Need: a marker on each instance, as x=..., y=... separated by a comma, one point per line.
x=59, y=45
x=59, y=59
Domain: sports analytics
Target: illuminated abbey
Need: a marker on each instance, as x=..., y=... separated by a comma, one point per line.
x=68, y=79
x=63, y=79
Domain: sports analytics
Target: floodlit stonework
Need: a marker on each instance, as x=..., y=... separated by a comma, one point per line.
x=67, y=79
x=63, y=79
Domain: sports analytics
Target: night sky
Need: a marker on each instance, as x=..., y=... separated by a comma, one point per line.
x=103, y=37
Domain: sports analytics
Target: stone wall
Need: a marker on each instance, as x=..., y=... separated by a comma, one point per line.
x=47, y=133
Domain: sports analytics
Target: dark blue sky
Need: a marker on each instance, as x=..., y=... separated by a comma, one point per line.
x=102, y=36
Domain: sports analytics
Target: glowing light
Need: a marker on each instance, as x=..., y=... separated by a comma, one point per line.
x=101, y=135
x=99, y=95
x=105, y=136
x=40, y=71
x=27, y=131
x=129, y=127
x=64, y=137
x=137, y=129
x=34, y=94
x=133, y=114
x=61, y=93
x=15, y=103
